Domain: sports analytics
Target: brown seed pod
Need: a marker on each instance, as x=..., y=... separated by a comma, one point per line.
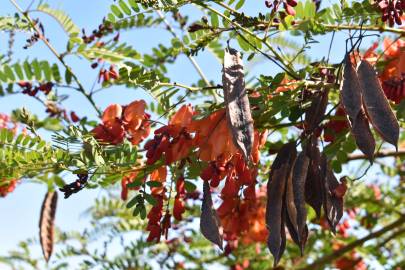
x=238, y=112
x=46, y=223
x=276, y=208
x=209, y=221
x=363, y=136
x=350, y=91
x=376, y=104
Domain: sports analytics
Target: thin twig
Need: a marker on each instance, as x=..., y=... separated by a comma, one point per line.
x=192, y=60
x=320, y=263
x=52, y=49
x=380, y=154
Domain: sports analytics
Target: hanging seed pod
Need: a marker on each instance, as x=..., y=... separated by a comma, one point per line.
x=238, y=112
x=313, y=184
x=299, y=176
x=363, y=136
x=209, y=221
x=350, y=91
x=276, y=208
x=376, y=104
x=46, y=223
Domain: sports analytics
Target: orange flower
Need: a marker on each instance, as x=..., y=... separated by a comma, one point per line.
x=134, y=115
x=7, y=186
x=111, y=114
x=213, y=137
x=118, y=122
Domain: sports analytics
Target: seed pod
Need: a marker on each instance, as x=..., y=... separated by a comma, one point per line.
x=299, y=176
x=332, y=205
x=209, y=221
x=276, y=211
x=350, y=91
x=315, y=113
x=46, y=223
x=363, y=136
x=238, y=112
x=376, y=104
x=313, y=184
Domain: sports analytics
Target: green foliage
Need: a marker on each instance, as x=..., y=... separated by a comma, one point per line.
x=35, y=70
x=280, y=98
x=64, y=20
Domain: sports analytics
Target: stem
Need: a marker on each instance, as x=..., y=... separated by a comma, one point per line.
x=381, y=154
x=320, y=263
x=331, y=27
x=291, y=72
x=192, y=60
x=52, y=49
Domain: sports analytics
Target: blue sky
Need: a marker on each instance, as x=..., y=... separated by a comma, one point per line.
x=20, y=209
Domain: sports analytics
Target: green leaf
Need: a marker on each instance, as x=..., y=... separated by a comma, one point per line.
x=9, y=73
x=240, y=4
x=189, y=186
x=214, y=20
x=63, y=19
x=27, y=70
x=37, y=69
x=117, y=12
x=18, y=71
x=134, y=5
x=124, y=7
x=154, y=184
x=150, y=199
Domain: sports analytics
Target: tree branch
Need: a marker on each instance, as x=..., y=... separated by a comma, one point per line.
x=192, y=60
x=381, y=154
x=320, y=263
x=52, y=49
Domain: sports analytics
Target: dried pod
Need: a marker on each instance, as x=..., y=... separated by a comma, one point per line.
x=350, y=91
x=363, y=136
x=276, y=210
x=46, y=223
x=299, y=176
x=376, y=104
x=313, y=183
x=209, y=221
x=238, y=112
x=332, y=205
x=316, y=112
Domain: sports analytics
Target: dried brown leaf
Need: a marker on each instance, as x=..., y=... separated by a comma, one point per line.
x=276, y=208
x=376, y=104
x=363, y=136
x=209, y=221
x=350, y=91
x=46, y=223
x=238, y=112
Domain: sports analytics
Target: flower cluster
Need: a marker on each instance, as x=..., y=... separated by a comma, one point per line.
x=31, y=90
x=121, y=122
x=105, y=75
x=391, y=10
x=7, y=186
x=173, y=141
x=287, y=4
